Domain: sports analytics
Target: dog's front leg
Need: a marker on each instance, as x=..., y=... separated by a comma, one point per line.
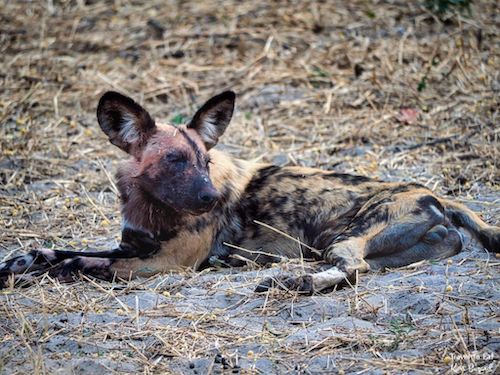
x=345, y=258
x=65, y=265
x=35, y=260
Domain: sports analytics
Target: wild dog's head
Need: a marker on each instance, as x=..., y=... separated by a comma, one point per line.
x=171, y=164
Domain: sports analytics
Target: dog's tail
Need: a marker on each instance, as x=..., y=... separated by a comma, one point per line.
x=461, y=217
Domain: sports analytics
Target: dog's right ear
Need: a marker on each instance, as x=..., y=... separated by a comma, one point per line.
x=212, y=119
x=125, y=122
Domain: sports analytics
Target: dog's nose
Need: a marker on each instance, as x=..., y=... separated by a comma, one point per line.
x=207, y=198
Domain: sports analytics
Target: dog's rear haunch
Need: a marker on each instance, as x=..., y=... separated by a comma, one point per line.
x=185, y=204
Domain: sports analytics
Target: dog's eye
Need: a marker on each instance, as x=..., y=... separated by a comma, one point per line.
x=175, y=158
x=208, y=162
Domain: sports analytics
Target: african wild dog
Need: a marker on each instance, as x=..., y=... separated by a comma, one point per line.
x=185, y=204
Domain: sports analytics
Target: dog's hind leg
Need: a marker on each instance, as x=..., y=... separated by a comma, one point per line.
x=390, y=230
x=438, y=243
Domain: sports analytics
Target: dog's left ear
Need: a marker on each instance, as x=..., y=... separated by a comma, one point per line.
x=213, y=117
x=125, y=122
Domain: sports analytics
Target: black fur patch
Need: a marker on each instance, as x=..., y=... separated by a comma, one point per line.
x=260, y=179
x=490, y=239
x=301, y=284
x=350, y=179
x=364, y=220
x=428, y=200
x=136, y=243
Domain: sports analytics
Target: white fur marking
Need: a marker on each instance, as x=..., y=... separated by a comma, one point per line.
x=49, y=254
x=436, y=210
x=209, y=130
x=328, y=278
x=17, y=268
x=128, y=131
x=126, y=224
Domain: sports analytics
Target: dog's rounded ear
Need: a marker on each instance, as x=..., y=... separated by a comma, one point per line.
x=213, y=117
x=125, y=122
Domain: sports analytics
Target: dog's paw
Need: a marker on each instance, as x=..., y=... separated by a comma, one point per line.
x=302, y=284
x=35, y=260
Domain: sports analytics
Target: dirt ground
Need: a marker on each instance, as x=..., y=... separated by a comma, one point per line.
x=383, y=89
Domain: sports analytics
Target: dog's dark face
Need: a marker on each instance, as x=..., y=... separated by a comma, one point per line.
x=171, y=164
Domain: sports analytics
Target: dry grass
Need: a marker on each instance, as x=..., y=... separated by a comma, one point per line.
x=320, y=84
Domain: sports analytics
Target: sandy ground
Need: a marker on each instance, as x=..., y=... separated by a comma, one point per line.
x=431, y=318
x=375, y=88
